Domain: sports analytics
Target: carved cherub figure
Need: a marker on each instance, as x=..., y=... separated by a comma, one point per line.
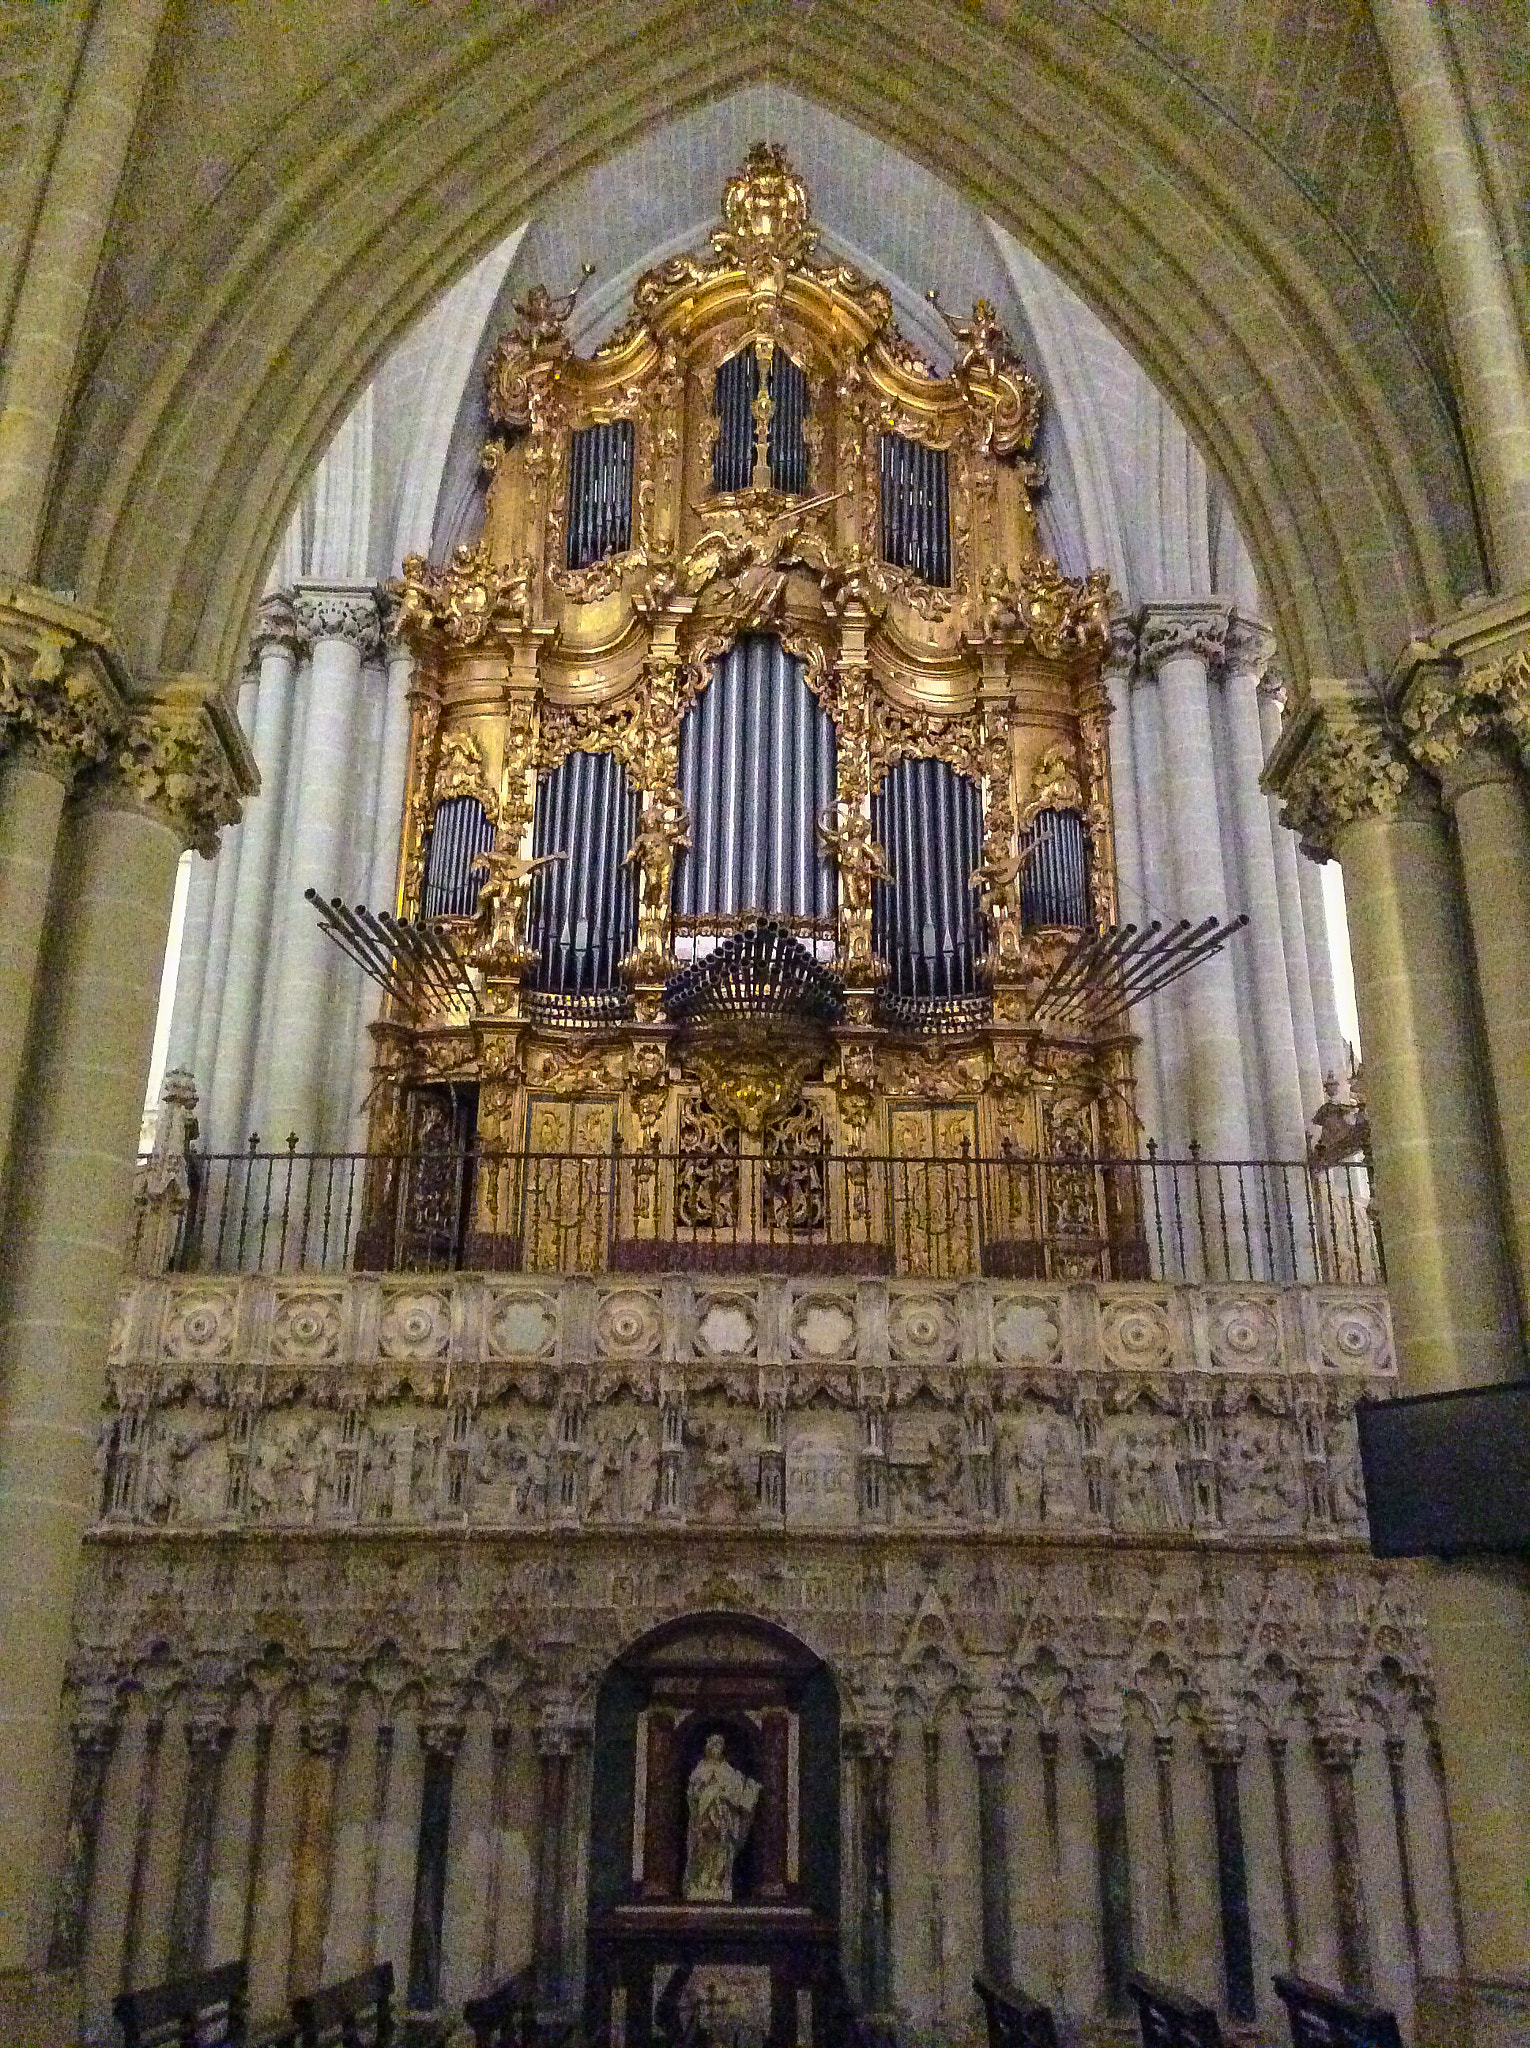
x=981, y=341
x=664, y=829
x=542, y=318
x=500, y=946
x=847, y=833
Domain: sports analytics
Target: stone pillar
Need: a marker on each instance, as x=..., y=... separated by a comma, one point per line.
x=276, y=643
x=774, y=1739
x=382, y=1780
x=1248, y=651
x=174, y=777
x=1349, y=789
x=93, y=1730
x=1105, y=1742
x=499, y=1821
x=1338, y=1747
x=344, y=628
x=323, y=1734
x=1181, y=643
x=254, y=1854
x=554, y=1748
x=1166, y=1025
x=1278, y=1745
x=219, y=963
x=60, y=709
x=1293, y=930
x=1469, y=260
x=208, y=1730
x=877, y=1738
x=440, y=1739
x=988, y=1728
x=1397, y=1757
x=1222, y=1740
x=143, y=1821
x=661, y=1844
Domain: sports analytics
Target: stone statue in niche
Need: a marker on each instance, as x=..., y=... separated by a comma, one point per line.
x=721, y=1803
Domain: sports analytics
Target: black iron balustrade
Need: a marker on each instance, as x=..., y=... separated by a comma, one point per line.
x=960, y=1216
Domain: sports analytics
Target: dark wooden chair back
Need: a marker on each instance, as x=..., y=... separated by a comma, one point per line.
x=505, y=2017
x=1169, y=2019
x=210, y=2010
x=1014, y=2021
x=1323, y=2019
x=357, y=2013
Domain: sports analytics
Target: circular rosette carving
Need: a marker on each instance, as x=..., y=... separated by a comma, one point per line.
x=199, y=1325
x=627, y=1324
x=1244, y=1334
x=726, y=1326
x=921, y=1328
x=1136, y=1333
x=306, y=1326
x=414, y=1326
x=1354, y=1336
x=823, y=1326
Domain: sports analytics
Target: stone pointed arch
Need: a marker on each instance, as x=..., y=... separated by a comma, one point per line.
x=1310, y=395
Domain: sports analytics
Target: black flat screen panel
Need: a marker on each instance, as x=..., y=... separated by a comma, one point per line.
x=1446, y=1473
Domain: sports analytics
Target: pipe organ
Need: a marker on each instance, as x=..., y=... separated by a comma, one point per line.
x=756, y=633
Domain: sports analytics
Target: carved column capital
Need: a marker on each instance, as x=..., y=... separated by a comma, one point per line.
x=1335, y=764
x=1338, y=1744
x=1121, y=653
x=441, y=1728
x=183, y=758
x=1460, y=722
x=1250, y=646
x=989, y=1725
x=1170, y=632
x=95, y=1719
x=1222, y=1735
x=324, y=1727
x=340, y=612
x=61, y=699
x=209, y=1725
x=277, y=625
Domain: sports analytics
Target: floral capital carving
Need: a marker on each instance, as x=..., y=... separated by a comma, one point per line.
x=175, y=761
x=1250, y=646
x=1331, y=769
x=58, y=704
x=277, y=625
x=1448, y=714
x=349, y=615
x=1173, y=632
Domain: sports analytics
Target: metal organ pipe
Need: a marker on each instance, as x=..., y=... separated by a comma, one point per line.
x=584, y=909
x=600, y=491
x=459, y=829
x=737, y=387
x=1054, y=884
x=756, y=768
x=929, y=820
x=916, y=508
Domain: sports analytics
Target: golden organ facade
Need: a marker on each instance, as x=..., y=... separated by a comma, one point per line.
x=759, y=785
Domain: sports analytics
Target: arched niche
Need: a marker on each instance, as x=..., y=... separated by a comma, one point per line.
x=774, y=1943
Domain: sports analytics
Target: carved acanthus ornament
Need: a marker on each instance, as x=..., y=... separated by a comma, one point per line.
x=1045, y=610
x=1249, y=647
x=461, y=771
x=340, y=614
x=277, y=625
x=1054, y=785
x=184, y=758
x=524, y=367
x=1447, y=713
x=1175, y=632
x=59, y=704
x=1331, y=769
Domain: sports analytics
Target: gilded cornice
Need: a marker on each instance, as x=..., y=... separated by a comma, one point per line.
x=1336, y=763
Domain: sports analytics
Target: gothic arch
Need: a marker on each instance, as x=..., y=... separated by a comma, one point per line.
x=1307, y=390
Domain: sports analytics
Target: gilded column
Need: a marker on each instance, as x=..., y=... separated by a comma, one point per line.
x=440, y=1739
x=93, y=1732
x=1182, y=642
x=208, y=1732
x=174, y=777
x=344, y=628
x=60, y=709
x=323, y=1733
x=277, y=643
x=988, y=1729
x=1249, y=647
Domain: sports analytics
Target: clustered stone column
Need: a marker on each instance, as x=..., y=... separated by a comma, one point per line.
x=1425, y=807
x=324, y=1735
x=146, y=776
x=1234, y=1057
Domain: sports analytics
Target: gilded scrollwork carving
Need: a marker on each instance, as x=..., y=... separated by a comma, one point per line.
x=471, y=600
x=1005, y=399
x=524, y=365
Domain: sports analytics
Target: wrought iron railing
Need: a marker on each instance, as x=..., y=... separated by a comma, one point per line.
x=740, y=1210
